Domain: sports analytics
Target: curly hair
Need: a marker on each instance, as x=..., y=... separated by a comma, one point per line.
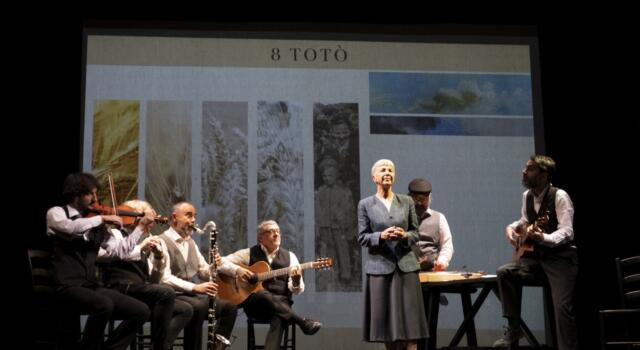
x=78, y=184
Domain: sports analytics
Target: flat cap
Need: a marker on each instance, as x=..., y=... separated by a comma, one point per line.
x=420, y=185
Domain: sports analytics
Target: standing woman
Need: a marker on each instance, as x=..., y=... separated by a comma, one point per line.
x=394, y=311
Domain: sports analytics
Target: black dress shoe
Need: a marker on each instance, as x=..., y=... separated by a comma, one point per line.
x=309, y=326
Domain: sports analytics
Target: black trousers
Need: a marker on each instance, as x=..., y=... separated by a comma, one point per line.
x=226, y=313
x=560, y=269
x=101, y=305
x=164, y=316
x=272, y=308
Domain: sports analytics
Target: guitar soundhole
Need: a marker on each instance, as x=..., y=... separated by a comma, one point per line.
x=253, y=279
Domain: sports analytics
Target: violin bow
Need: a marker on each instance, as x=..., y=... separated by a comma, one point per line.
x=112, y=189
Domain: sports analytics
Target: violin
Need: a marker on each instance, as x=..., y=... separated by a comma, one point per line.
x=128, y=214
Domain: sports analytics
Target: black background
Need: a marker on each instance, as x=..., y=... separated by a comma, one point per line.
x=589, y=100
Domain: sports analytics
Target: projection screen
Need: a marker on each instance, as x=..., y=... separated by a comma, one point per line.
x=250, y=128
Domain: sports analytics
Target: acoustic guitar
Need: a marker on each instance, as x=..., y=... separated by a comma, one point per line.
x=524, y=244
x=236, y=291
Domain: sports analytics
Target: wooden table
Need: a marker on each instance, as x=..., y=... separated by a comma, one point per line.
x=464, y=283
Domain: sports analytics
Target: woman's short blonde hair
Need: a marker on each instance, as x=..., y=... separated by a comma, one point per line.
x=382, y=162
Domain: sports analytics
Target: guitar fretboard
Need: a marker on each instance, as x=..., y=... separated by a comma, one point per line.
x=262, y=276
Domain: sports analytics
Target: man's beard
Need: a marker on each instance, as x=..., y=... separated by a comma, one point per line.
x=420, y=210
x=529, y=183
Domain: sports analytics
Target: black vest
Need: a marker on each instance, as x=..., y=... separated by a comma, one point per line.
x=74, y=259
x=278, y=285
x=125, y=272
x=548, y=204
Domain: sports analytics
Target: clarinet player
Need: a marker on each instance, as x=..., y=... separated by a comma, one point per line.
x=184, y=263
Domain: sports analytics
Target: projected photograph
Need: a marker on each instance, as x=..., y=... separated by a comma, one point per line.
x=336, y=156
x=116, y=125
x=280, y=179
x=455, y=126
x=224, y=172
x=451, y=104
x=168, y=150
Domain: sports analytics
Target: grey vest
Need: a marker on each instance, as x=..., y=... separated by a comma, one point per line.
x=429, y=233
x=185, y=270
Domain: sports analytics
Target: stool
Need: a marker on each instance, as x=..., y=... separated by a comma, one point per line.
x=549, y=316
x=288, y=339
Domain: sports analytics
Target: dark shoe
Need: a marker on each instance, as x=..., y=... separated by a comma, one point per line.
x=310, y=327
x=443, y=300
x=510, y=337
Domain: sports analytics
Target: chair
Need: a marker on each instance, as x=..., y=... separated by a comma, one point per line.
x=628, y=276
x=143, y=339
x=288, y=340
x=53, y=331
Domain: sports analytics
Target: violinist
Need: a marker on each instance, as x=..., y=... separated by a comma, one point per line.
x=76, y=241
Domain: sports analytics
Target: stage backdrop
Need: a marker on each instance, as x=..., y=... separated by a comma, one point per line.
x=288, y=129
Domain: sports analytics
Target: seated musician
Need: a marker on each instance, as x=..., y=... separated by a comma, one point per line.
x=139, y=274
x=184, y=263
x=554, y=256
x=435, y=243
x=274, y=303
x=77, y=238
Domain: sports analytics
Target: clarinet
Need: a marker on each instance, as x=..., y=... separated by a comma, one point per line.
x=214, y=341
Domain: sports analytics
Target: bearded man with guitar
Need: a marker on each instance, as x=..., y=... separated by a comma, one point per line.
x=273, y=303
x=543, y=240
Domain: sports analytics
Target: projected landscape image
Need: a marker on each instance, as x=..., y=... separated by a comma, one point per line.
x=451, y=104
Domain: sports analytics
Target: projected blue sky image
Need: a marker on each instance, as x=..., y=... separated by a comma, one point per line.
x=450, y=93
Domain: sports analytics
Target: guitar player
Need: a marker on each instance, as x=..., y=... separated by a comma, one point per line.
x=553, y=254
x=273, y=304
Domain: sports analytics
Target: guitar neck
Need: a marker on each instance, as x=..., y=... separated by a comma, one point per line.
x=263, y=276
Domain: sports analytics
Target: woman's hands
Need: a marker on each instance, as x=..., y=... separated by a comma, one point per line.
x=393, y=233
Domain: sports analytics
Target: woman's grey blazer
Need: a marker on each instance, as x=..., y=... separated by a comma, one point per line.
x=373, y=218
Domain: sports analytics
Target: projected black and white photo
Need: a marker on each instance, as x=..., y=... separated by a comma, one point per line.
x=224, y=171
x=336, y=155
x=280, y=161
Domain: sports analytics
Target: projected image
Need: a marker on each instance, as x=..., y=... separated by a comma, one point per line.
x=456, y=126
x=115, y=147
x=224, y=171
x=286, y=128
x=280, y=179
x=168, y=150
x=336, y=156
x=451, y=104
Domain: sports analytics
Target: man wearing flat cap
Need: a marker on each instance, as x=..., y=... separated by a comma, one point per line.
x=435, y=244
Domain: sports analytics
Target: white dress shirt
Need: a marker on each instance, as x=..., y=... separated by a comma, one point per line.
x=58, y=224
x=446, y=241
x=564, y=212
x=183, y=246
